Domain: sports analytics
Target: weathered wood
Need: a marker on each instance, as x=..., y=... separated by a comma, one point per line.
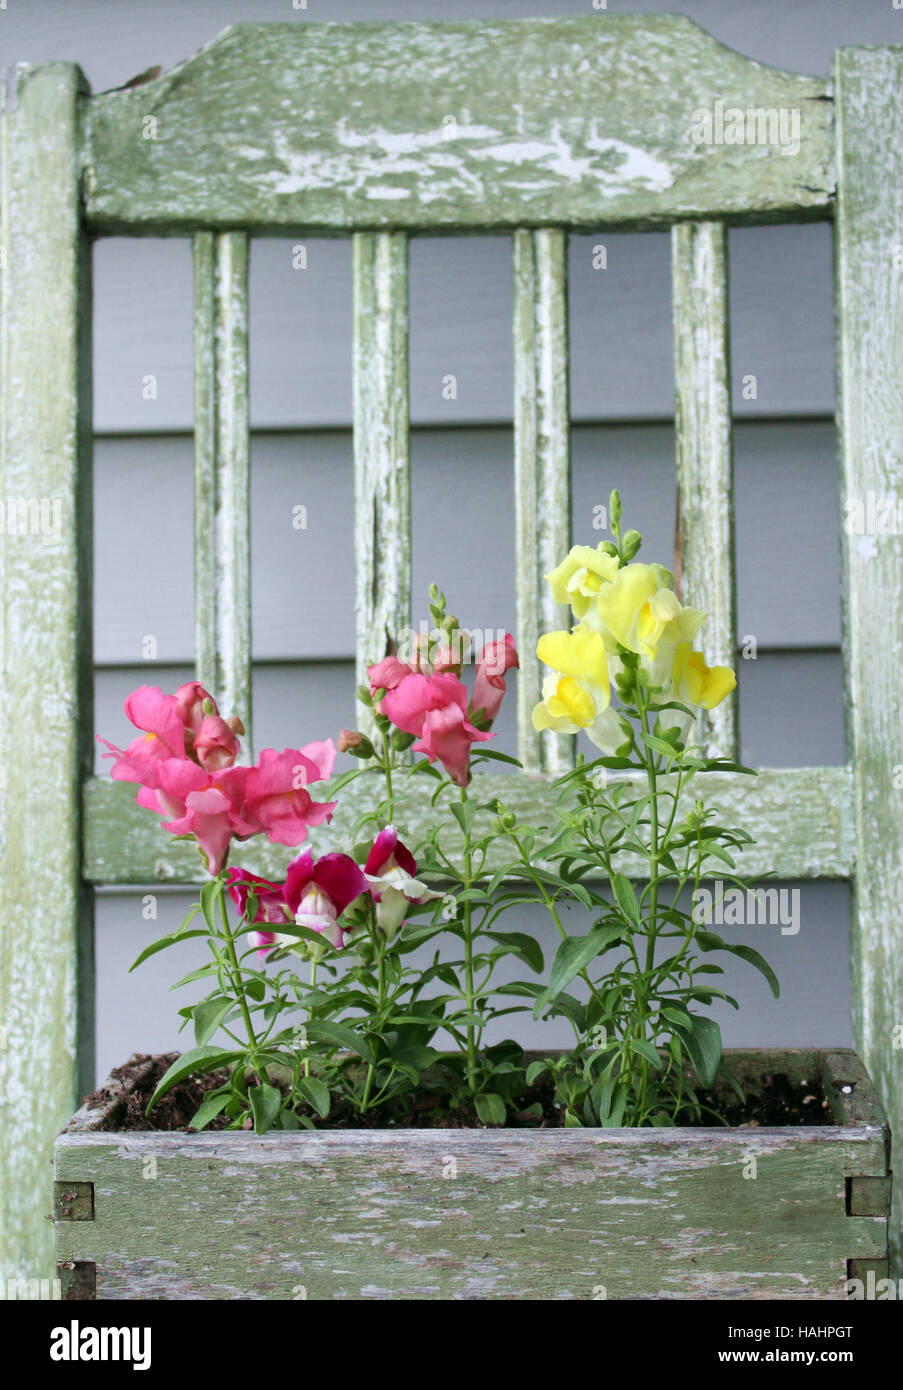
x=869, y=307
x=542, y=472
x=382, y=459
x=702, y=432
x=579, y=121
x=475, y=1214
x=46, y=911
x=222, y=527
x=800, y=818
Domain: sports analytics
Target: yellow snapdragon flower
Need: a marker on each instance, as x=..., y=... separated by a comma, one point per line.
x=577, y=694
x=695, y=683
x=639, y=606
x=580, y=577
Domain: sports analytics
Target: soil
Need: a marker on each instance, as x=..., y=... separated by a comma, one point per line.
x=774, y=1100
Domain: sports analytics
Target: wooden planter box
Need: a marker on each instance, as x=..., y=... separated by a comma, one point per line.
x=480, y=1214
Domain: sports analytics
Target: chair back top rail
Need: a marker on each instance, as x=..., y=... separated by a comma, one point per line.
x=581, y=122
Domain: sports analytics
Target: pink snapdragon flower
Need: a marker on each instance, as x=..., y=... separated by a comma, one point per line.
x=195, y=802
x=391, y=873
x=276, y=795
x=215, y=744
x=489, y=687
x=387, y=674
x=434, y=709
x=185, y=761
x=163, y=736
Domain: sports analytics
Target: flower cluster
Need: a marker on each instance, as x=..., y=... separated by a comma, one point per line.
x=620, y=608
x=185, y=763
x=370, y=1016
x=316, y=892
x=428, y=699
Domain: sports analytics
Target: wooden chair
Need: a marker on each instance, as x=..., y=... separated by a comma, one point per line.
x=530, y=129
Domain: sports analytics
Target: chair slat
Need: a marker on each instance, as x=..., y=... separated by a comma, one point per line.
x=46, y=680
x=382, y=457
x=542, y=471
x=801, y=819
x=222, y=534
x=869, y=317
x=703, y=440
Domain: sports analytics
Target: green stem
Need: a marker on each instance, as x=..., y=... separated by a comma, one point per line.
x=470, y=993
x=380, y=947
x=649, y=758
x=235, y=972
x=553, y=911
x=387, y=769
x=313, y=985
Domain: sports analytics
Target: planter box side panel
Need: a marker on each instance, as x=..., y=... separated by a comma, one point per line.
x=470, y=1214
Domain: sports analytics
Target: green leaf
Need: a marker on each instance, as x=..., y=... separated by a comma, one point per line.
x=164, y=942
x=203, y=973
x=210, y=895
x=339, y=1035
x=574, y=953
x=535, y=1069
x=266, y=1102
x=208, y=1015
x=520, y=944
x=644, y=1048
x=316, y=1093
x=198, y=1059
x=704, y=1048
x=626, y=899
x=711, y=941
x=464, y=812
x=491, y=1108
x=498, y=757
x=209, y=1108
x=659, y=745
x=712, y=850
x=419, y=1056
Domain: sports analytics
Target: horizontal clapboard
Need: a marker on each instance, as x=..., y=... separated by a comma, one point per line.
x=786, y=524
x=461, y=299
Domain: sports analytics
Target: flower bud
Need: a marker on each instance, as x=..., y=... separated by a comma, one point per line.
x=357, y=744
x=631, y=544
x=236, y=725
x=207, y=705
x=615, y=510
x=402, y=740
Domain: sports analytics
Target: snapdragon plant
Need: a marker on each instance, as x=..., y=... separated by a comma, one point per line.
x=317, y=1007
x=643, y=1046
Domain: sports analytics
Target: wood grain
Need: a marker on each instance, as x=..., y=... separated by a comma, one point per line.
x=222, y=525
x=869, y=304
x=46, y=910
x=704, y=449
x=382, y=448
x=542, y=473
x=475, y=1214
x=801, y=819
x=578, y=121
